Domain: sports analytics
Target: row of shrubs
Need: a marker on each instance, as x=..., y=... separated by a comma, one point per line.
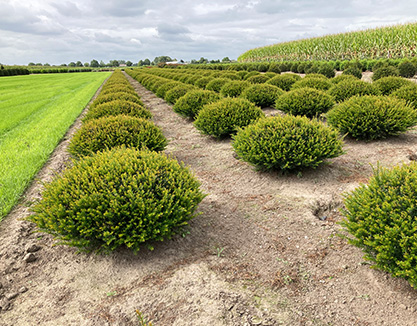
x=305, y=66
x=13, y=71
x=380, y=216
x=121, y=191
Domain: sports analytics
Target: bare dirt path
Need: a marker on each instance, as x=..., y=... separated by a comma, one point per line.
x=262, y=252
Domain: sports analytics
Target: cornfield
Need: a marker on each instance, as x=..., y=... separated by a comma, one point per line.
x=397, y=41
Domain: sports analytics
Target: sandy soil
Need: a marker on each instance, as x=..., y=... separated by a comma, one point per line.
x=264, y=250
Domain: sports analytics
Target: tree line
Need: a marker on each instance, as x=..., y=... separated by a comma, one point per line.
x=117, y=63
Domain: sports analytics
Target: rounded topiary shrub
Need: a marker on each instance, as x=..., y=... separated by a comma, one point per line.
x=117, y=107
x=385, y=71
x=387, y=85
x=407, y=69
x=287, y=143
x=251, y=74
x=305, y=101
x=191, y=103
x=117, y=89
x=163, y=89
x=260, y=79
x=348, y=88
x=314, y=82
x=262, y=95
x=340, y=78
x=407, y=93
x=216, y=84
x=284, y=81
x=372, y=117
x=234, y=88
x=381, y=216
x=327, y=70
x=108, y=132
x=118, y=198
x=353, y=71
x=274, y=67
x=315, y=75
x=222, y=118
x=122, y=96
x=174, y=94
x=202, y=82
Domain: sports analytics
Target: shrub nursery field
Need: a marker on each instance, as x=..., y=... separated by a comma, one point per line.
x=36, y=111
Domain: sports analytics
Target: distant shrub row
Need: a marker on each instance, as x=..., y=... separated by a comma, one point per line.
x=7, y=71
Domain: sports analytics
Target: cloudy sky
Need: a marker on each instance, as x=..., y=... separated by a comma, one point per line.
x=61, y=31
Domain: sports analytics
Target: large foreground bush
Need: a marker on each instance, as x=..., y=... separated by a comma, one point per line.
x=372, y=117
x=116, y=198
x=222, y=118
x=287, y=143
x=407, y=93
x=108, y=132
x=262, y=95
x=349, y=88
x=382, y=217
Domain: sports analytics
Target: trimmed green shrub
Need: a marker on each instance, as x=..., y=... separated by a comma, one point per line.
x=313, y=69
x=251, y=74
x=287, y=143
x=241, y=74
x=327, y=70
x=108, y=132
x=314, y=82
x=284, y=81
x=381, y=217
x=407, y=69
x=122, y=96
x=118, y=198
x=202, y=82
x=387, y=85
x=262, y=66
x=117, y=107
x=191, y=103
x=270, y=74
x=385, y=71
x=231, y=75
x=407, y=93
x=262, y=95
x=301, y=69
x=116, y=89
x=340, y=78
x=317, y=75
x=274, y=67
x=348, y=88
x=234, y=88
x=372, y=117
x=191, y=79
x=216, y=84
x=222, y=118
x=163, y=89
x=353, y=71
x=306, y=101
x=260, y=79
x=174, y=94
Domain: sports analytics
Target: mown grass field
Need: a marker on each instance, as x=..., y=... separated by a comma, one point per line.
x=35, y=113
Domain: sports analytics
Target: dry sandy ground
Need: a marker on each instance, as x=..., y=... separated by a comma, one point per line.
x=263, y=251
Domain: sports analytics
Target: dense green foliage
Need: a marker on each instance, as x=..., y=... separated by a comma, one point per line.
x=340, y=78
x=387, y=42
x=387, y=85
x=262, y=95
x=306, y=101
x=191, y=103
x=385, y=71
x=216, y=84
x=222, y=118
x=407, y=93
x=117, y=107
x=313, y=82
x=372, y=117
x=407, y=69
x=348, y=88
x=108, y=132
x=353, y=71
x=174, y=94
x=381, y=216
x=234, y=88
x=287, y=143
x=260, y=79
x=284, y=81
x=36, y=111
x=117, y=96
x=116, y=198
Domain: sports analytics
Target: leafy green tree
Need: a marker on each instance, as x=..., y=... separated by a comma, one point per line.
x=163, y=59
x=94, y=63
x=78, y=64
x=71, y=64
x=226, y=59
x=203, y=60
x=31, y=64
x=47, y=65
x=39, y=64
x=63, y=64
x=86, y=64
x=102, y=64
x=114, y=63
x=129, y=63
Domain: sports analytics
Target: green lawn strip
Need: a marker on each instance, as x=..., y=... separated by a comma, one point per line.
x=35, y=113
